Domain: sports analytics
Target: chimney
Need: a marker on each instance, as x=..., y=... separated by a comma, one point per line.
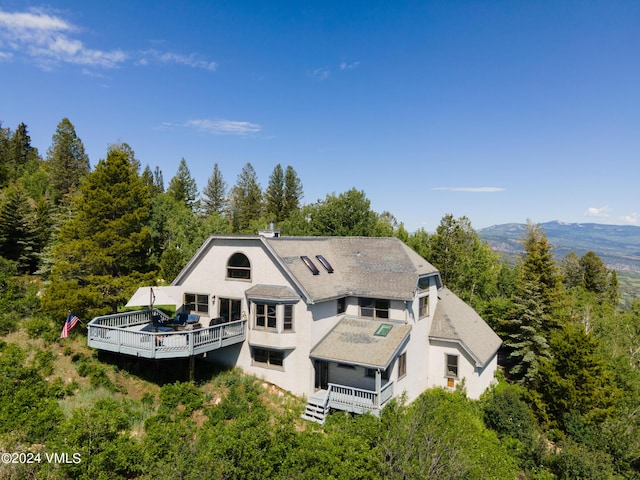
x=270, y=232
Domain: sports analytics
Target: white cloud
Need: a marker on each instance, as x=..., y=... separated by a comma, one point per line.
x=46, y=40
x=320, y=73
x=631, y=219
x=49, y=41
x=598, y=212
x=349, y=66
x=224, y=127
x=471, y=189
x=191, y=60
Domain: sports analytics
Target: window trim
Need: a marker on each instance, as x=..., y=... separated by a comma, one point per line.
x=269, y=363
x=378, y=311
x=451, y=373
x=199, y=305
x=291, y=317
x=421, y=314
x=238, y=269
x=230, y=300
x=402, y=365
x=265, y=316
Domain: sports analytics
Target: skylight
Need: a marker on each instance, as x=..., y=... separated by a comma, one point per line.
x=383, y=330
x=310, y=265
x=325, y=263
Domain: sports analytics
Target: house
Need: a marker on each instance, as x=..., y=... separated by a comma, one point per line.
x=347, y=322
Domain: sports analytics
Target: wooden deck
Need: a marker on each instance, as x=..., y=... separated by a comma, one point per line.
x=132, y=333
x=345, y=398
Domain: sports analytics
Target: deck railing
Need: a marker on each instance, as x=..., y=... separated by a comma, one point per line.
x=114, y=333
x=343, y=397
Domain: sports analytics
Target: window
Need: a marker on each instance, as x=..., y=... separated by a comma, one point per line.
x=452, y=366
x=238, y=267
x=230, y=309
x=325, y=263
x=197, y=303
x=373, y=308
x=342, y=305
x=402, y=365
x=268, y=358
x=383, y=330
x=423, y=283
x=287, y=324
x=310, y=265
x=266, y=316
x=423, y=306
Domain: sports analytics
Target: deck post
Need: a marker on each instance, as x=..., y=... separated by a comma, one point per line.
x=192, y=366
x=378, y=388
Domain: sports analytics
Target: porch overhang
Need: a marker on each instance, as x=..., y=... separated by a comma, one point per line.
x=353, y=341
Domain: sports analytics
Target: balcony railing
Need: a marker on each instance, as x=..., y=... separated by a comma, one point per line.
x=127, y=333
x=342, y=397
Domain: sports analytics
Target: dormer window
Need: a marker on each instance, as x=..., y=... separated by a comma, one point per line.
x=238, y=267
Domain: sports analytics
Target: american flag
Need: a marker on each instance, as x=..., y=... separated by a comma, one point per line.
x=71, y=321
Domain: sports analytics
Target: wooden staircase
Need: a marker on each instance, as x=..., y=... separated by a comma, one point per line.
x=317, y=407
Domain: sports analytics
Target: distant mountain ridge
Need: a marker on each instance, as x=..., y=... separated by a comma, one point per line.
x=617, y=245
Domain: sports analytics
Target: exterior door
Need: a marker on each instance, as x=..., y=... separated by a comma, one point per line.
x=322, y=374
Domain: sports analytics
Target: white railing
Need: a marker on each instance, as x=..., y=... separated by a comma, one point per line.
x=113, y=333
x=353, y=399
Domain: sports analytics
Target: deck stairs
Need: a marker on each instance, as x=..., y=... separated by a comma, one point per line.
x=317, y=407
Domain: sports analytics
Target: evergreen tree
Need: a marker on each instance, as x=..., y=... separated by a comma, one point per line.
x=153, y=180
x=539, y=267
x=215, y=193
x=19, y=236
x=5, y=155
x=183, y=187
x=274, y=201
x=246, y=199
x=67, y=161
x=526, y=341
x=17, y=156
x=576, y=379
x=293, y=192
x=595, y=274
x=125, y=149
x=102, y=250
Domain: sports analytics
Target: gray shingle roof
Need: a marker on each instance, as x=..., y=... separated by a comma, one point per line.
x=272, y=292
x=456, y=321
x=363, y=266
x=353, y=341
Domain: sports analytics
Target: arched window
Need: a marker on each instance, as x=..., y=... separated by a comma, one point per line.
x=238, y=266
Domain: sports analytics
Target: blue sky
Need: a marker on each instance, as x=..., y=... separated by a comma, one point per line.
x=500, y=111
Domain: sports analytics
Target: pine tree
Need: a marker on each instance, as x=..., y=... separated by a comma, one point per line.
x=19, y=237
x=274, y=200
x=246, y=199
x=67, y=161
x=293, y=192
x=526, y=341
x=5, y=155
x=21, y=156
x=102, y=250
x=183, y=187
x=215, y=193
x=539, y=267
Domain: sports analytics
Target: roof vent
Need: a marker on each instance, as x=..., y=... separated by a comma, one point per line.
x=310, y=265
x=325, y=263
